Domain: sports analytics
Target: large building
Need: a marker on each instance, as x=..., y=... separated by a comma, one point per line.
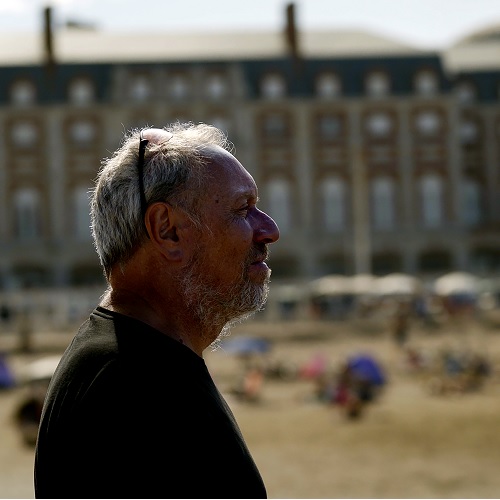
x=372, y=156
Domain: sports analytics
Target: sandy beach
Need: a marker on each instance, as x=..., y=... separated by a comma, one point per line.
x=409, y=443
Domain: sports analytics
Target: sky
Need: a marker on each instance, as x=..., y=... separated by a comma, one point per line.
x=431, y=24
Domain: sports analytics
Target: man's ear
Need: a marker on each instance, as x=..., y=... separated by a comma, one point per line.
x=162, y=223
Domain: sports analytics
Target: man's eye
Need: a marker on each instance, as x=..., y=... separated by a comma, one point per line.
x=243, y=211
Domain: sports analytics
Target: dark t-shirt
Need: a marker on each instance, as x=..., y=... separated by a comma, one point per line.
x=131, y=413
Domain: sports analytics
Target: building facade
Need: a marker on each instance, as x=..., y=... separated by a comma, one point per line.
x=372, y=157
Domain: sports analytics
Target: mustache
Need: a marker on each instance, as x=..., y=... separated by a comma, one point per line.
x=259, y=253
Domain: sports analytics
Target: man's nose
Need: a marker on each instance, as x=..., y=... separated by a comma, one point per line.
x=266, y=230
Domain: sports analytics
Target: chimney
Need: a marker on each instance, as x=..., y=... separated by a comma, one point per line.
x=291, y=34
x=48, y=39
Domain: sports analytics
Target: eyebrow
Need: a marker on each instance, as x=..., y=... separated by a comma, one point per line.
x=248, y=194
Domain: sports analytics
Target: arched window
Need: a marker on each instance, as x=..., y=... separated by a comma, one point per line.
x=469, y=131
x=330, y=127
x=432, y=203
x=466, y=92
x=379, y=124
x=279, y=203
x=333, y=201
x=275, y=125
x=328, y=85
x=82, y=132
x=81, y=91
x=471, y=203
x=377, y=84
x=428, y=123
x=383, y=203
x=273, y=86
x=426, y=83
x=27, y=214
x=23, y=92
x=81, y=201
x=24, y=134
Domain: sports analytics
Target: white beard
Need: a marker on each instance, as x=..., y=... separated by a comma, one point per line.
x=218, y=306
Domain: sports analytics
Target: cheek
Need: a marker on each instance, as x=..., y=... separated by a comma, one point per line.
x=236, y=239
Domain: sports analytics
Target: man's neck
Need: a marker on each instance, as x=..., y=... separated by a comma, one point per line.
x=170, y=321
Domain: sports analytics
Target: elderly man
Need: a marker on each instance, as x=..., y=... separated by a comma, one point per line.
x=132, y=411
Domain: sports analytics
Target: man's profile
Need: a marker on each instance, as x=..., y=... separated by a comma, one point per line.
x=132, y=411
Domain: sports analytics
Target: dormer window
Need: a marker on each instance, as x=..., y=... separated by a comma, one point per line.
x=23, y=92
x=466, y=92
x=140, y=88
x=273, y=86
x=178, y=87
x=81, y=91
x=216, y=86
x=328, y=85
x=377, y=84
x=426, y=83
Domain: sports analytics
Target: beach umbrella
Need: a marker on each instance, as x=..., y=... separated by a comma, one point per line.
x=330, y=285
x=244, y=346
x=6, y=374
x=457, y=283
x=398, y=284
x=41, y=369
x=367, y=368
x=363, y=284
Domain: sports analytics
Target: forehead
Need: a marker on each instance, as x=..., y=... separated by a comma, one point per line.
x=229, y=178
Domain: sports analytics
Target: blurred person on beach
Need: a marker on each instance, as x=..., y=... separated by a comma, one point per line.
x=401, y=323
x=132, y=410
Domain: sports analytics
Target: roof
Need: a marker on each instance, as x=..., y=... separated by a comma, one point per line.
x=487, y=34
x=91, y=46
x=478, y=51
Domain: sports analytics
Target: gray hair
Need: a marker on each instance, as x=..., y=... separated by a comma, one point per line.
x=172, y=172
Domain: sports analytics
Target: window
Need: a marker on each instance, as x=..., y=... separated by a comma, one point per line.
x=27, y=213
x=81, y=202
x=140, y=88
x=179, y=87
x=278, y=200
x=426, y=83
x=379, y=124
x=383, y=203
x=466, y=92
x=469, y=131
x=81, y=91
x=377, y=84
x=431, y=196
x=24, y=134
x=428, y=123
x=471, y=203
x=216, y=86
x=23, y=92
x=330, y=127
x=273, y=86
x=333, y=199
x=82, y=132
x=328, y=85
x=275, y=126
